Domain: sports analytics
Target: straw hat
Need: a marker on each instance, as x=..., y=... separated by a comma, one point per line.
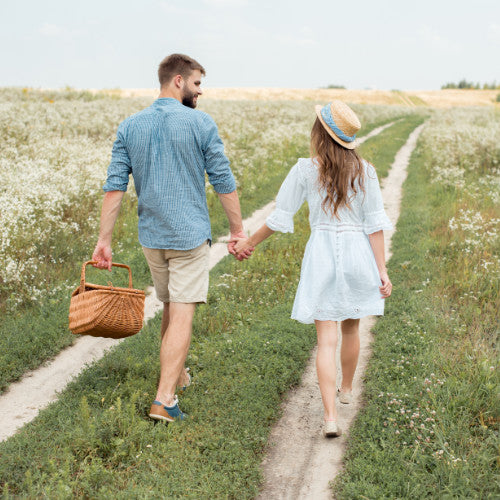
x=340, y=122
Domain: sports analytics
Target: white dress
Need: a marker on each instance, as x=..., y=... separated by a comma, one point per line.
x=339, y=278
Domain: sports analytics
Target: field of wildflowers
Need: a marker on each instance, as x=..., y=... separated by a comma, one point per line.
x=430, y=425
x=246, y=353
x=54, y=149
x=54, y=152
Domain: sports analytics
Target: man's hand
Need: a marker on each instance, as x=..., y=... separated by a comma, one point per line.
x=102, y=255
x=235, y=238
x=110, y=208
x=242, y=247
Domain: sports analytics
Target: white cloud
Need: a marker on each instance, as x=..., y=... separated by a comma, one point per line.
x=436, y=40
x=295, y=41
x=494, y=33
x=174, y=10
x=52, y=30
x=225, y=3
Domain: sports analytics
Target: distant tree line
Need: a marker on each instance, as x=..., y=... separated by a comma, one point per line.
x=334, y=86
x=464, y=84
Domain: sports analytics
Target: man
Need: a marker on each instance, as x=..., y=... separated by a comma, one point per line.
x=167, y=148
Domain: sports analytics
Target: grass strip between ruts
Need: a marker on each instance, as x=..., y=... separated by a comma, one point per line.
x=33, y=335
x=381, y=149
x=97, y=441
x=429, y=425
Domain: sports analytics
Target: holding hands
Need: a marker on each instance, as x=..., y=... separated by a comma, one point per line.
x=235, y=246
x=242, y=247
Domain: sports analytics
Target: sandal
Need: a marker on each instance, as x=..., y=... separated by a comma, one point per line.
x=345, y=398
x=331, y=429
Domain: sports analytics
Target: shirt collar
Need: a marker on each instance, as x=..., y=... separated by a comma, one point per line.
x=162, y=101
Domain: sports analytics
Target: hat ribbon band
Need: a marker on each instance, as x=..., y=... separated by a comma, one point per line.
x=327, y=116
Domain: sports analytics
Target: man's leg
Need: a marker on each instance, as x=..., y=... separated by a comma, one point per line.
x=176, y=339
x=183, y=379
x=165, y=319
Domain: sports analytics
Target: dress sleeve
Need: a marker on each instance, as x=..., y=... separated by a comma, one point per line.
x=290, y=197
x=374, y=216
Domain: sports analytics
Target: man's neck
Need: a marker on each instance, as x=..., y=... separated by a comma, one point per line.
x=169, y=93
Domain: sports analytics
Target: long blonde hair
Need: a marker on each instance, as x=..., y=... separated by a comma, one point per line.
x=339, y=169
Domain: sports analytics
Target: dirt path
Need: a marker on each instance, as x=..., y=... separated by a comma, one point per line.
x=23, y=400
x=38, y=388
x=300, y=462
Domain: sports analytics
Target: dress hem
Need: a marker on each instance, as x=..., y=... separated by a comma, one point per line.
x=310, y=319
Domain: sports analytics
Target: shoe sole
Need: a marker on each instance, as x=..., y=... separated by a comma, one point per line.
x=332, y=434
x=160, y=417
x=345, y=399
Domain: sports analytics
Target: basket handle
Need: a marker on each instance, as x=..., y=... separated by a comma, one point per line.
x=85, y=264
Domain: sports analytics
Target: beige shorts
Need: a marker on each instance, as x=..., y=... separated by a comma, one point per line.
x=179, y=275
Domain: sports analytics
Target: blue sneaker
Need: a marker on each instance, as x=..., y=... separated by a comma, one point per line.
x=159, y=411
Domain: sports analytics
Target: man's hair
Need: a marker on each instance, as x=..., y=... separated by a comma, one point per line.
x=177, y=64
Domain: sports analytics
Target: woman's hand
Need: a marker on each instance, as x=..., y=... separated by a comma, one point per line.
x=386, y=287
x=243, y=248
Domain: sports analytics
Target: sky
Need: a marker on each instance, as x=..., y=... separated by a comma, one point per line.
x=251, y=43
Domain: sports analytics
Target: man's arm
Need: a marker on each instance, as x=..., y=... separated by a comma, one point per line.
x=109, y=213
x=231, y=204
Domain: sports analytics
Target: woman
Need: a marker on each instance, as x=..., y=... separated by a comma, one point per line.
x=343, y=276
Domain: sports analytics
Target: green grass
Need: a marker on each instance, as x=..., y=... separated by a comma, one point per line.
x=429, y=426
x=37, y=332
x=381, y=149
x=416, y=100
x=96, y=440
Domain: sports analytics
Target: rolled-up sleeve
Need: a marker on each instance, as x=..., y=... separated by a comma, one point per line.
x=120, y=167
x=216, y=162
x=290, y=197
x=374, y=216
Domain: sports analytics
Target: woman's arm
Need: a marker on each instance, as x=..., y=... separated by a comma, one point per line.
x=260, y=235
x=377, y=244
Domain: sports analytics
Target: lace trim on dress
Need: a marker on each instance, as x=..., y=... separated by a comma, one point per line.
x=280, y=221
x=308, y=316
x=338, y=228
x=376, y=221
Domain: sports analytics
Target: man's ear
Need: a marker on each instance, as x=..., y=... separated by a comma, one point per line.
x=178, y=81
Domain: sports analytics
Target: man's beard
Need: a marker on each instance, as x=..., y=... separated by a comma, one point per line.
x=188, y=99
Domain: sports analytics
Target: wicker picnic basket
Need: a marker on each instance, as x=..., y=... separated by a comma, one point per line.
x=106, y=311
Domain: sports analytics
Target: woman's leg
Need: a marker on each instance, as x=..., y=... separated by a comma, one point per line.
x=349, y=352
x=325, y=365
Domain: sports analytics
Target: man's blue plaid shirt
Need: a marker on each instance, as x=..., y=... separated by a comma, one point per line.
x=167, y=148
